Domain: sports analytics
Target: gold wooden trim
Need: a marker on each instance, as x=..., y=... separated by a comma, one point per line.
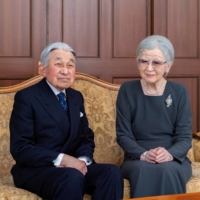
x=20, y=86
x=196, y=135
x=36, y=79
x=97, y=81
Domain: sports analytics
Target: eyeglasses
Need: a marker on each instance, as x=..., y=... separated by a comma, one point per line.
x=154, y=63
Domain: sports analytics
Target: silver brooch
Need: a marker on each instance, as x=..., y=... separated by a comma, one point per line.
x=169, y=101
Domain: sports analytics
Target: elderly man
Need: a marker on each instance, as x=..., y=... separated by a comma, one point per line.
x=50, y=138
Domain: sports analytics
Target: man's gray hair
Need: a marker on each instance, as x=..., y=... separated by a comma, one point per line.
x=157, y=41
x=45, y=55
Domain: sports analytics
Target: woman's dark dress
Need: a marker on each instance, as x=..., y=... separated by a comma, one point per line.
x=146, y=122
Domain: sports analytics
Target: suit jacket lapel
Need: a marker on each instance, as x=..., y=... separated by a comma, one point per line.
x=51, y=104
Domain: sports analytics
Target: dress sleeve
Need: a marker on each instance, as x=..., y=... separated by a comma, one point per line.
x=183, y=128
x=125, y=137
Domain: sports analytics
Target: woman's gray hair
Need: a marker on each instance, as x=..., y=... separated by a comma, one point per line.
x=45, y=55
x=157, y=41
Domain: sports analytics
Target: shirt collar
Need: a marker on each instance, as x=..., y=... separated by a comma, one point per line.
x=55, y=91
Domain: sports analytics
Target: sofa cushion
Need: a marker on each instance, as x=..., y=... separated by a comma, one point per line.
x=6, y=160
x=194, y=183
x=9, y=192
x=196, y=149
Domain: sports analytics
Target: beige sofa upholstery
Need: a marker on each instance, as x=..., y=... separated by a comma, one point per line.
x=100, y=99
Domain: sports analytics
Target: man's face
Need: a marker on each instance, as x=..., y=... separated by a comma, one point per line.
x=60, y=71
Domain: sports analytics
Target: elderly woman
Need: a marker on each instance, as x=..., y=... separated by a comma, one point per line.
x=154, y=124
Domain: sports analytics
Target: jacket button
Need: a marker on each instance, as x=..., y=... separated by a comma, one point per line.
x=50, y=136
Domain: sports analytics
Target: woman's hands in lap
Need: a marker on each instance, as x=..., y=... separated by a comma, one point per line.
x=158, y=155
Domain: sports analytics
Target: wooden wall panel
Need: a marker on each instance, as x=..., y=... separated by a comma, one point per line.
x=179, y=21
x=159, y=17
x=127, y=20
x=5, y=82
x=81, y=26
x=15, y=27
x=39, y=32
x=182, y=27
x=21, y=50
x=54, y=21
x=119, y=80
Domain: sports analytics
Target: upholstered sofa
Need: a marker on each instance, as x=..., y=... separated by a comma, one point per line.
x=100, y=99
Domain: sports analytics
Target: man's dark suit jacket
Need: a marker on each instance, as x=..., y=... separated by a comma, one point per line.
x=41, y=129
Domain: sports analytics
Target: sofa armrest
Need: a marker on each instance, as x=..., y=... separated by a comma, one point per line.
x=196, y=146
x=196, y=135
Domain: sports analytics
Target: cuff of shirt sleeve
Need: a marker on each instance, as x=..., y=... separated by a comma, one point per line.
x=87, y=160
x=58, y=160
x=170, y=157
x=142, y=157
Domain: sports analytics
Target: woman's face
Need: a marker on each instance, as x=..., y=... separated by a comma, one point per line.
x=152, y=65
